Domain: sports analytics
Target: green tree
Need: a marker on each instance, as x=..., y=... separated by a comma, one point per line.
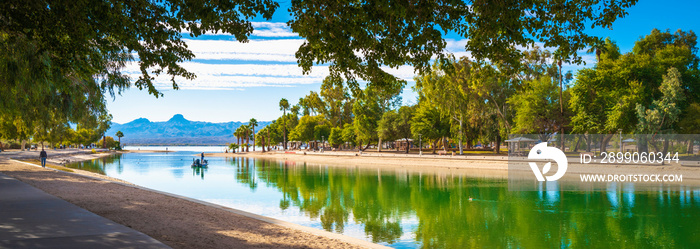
x=446, y=88
x=396, y=124
x=260, y=139
x=240, y=134
x=74, y=53
x=253, y=123
x=284, y=105
x=358, y=38
x=246, y=132
x=402, y=125
x=663, y=114
x=310, y=128
x=386, y=126
x=336, y=137
x=537, y=108
x=108, y=142
x=349, y=135
x=429, y=124
x=322, y=131
x=368, y=108
x=119, y=135
x=273, y=134
x=604, y=98
x=690, y=123
x=233, y=147
x=96, y=31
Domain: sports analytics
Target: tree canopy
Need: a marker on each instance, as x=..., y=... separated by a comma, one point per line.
x=358, y=38
x=605, y=97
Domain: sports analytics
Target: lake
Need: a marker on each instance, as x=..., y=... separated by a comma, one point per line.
x=402, y=209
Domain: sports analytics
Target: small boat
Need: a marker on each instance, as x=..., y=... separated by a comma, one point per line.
x=197, y=163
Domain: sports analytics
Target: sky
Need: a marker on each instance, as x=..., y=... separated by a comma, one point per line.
x=238, y=81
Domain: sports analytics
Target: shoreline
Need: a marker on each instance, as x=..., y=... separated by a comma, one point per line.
x=167, y=217
x=487, y=166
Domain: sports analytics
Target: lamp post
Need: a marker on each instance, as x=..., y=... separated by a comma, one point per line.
x=620, y=130
x=420, y=145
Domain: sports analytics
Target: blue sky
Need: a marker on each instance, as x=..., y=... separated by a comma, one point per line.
x=238, y=81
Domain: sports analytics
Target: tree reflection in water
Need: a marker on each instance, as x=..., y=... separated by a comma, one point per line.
x=98, y=165
x=383, y=200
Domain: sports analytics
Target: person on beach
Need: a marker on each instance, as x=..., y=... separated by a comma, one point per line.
x=202, y=157
x=43, y=157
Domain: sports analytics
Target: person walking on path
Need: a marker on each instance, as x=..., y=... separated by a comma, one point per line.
x=43, y=157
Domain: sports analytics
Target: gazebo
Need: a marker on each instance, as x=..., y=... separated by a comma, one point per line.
x=627, y=141
x=514, y=145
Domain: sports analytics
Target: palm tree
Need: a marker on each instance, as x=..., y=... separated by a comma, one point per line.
x=238, y=134
x=119, y=135
x=247, y=138
x=598, y=48
x=252, y=123
x=244, y=135
x=284, y=105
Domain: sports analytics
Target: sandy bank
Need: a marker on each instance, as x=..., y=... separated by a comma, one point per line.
x=177, y=222
x=59, y=157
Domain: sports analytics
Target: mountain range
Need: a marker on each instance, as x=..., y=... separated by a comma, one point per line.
x=177, y=131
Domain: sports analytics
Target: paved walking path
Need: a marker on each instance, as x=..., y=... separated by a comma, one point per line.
x=31, y=218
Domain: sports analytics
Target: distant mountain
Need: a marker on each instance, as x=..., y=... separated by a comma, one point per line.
x=177, y=131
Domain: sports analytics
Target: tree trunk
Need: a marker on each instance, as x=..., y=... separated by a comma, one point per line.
x=604, y=143
x=498, y=144
x=284, y=130
x=689, y=150
x=366, y=147
x=379, y=145
x=577, y=143
x=268, y=139
x=408, y=147
x=434, y=145
x=262, y=143
x=104, y=141
x=253, y=138
x=461, y=134
x=247, y=142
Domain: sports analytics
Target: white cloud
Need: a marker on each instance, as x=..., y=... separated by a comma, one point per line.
x=272, y=29
x=236, y=76
x=259, y=50
x=224, y=63
x=403, y=72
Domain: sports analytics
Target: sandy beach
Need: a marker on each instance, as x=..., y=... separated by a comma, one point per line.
x=177, y=222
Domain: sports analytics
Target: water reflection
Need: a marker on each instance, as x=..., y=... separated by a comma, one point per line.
x=198, y=171
x=433, y=210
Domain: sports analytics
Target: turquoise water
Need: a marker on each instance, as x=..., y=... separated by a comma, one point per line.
x=402, y=209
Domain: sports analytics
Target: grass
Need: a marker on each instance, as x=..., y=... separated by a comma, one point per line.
x=49, y=165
